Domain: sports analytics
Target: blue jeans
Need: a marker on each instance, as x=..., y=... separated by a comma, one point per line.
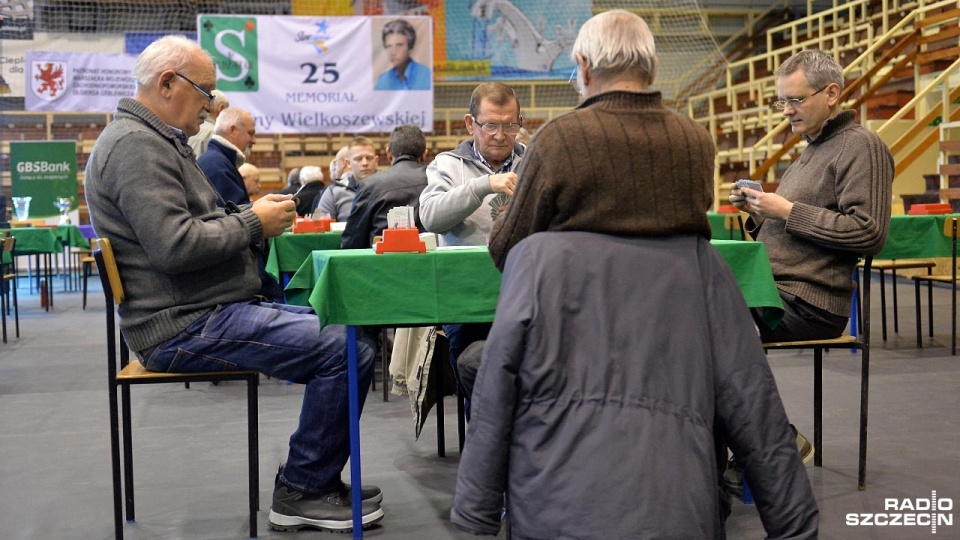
x=284, y=342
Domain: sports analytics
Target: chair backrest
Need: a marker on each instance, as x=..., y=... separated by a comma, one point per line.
x=734, y=222
x=8, y=244
x=110, y=276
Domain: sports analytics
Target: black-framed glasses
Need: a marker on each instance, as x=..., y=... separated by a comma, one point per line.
x=206, y=94
x=795, y=103
x=491, y=128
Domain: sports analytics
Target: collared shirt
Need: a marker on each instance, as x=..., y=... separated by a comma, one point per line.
x=416, y=76
x=506, y=166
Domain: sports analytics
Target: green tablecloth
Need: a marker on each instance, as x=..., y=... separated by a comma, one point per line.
x=286, y=253
x=34, y=240
x=71, y=236
x=719, y=232
x=916, y=237
x=359, y=287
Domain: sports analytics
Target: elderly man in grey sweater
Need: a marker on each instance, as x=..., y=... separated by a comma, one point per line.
x=191, y=278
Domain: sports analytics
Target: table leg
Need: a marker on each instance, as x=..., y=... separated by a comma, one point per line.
x=353, y=380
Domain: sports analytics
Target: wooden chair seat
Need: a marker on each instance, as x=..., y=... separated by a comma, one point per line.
x=135, y=371
x=826, y=343
x=842, y=342
x=124, y=373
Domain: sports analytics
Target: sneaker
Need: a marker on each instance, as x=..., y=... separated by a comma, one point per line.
x=367, y=492
x=804, y=446
x=293, y=510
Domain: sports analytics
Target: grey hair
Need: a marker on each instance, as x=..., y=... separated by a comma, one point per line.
x=220, y=100
x=617, y=42
x=311, y=173
x=403, y=28
x=169, y=52
x=229, y=117
x=819, y=68
x=407, y=140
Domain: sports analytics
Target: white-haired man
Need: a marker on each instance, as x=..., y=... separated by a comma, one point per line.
x=191, y=280
x=199, y=141
x=662, y=396
x=311, y=187
x=232, y=139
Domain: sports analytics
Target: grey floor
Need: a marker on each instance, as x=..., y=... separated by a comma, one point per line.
x=191, y=446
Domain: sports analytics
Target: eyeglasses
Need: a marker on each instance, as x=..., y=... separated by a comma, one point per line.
x=794, y=103
x=491, y=128
x=206, y=94
x=573, y=82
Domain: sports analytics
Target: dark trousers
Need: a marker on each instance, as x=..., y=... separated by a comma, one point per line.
x=801, y=321
x=460, y=337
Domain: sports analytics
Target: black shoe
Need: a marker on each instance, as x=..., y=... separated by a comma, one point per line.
x=293, y=510
x=367, y=492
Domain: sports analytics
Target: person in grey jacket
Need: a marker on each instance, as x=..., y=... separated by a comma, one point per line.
x=336, y=200
x=190, y=278
x=600, y=421
x=463, y=181
x=466, y=185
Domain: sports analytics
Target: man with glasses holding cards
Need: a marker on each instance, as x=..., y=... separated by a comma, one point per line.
x=832, y=206
x=467, y=184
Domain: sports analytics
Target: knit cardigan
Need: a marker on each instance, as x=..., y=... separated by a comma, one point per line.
x=620, y=164
x=840, y=187
x=178, y=254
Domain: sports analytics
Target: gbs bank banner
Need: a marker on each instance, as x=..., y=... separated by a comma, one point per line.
x=324, y=74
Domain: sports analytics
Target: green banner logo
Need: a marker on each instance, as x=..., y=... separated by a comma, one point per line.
x=45, y=171
x=232, y=42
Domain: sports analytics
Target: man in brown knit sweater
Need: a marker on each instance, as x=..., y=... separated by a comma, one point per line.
x=621, y=163
x=832, y=206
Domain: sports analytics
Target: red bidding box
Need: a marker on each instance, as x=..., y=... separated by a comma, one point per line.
x=401, y=241
x=303, y=225
x=930, y=209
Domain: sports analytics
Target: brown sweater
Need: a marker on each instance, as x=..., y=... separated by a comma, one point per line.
x=619, y=164
x=840, y=188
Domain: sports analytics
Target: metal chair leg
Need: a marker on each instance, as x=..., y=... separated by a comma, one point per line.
x=818, y=406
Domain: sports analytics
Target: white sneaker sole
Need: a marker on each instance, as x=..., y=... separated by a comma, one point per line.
x=294, y=523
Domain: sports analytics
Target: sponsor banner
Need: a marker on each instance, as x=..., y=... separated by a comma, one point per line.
x=16, y=19
x=77, y=82
x=135, y=42
x=322, y=74
x=45, y=171
x=13, y=54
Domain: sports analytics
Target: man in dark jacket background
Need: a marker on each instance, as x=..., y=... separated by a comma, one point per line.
x=400, y=185
x=232, y=139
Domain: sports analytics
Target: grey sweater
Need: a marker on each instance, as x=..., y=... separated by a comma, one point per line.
x=840, y=188
x=179, y=255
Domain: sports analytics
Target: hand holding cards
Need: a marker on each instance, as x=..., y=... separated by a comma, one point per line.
x=743, y=183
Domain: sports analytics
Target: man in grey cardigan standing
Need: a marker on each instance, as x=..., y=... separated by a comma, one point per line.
x=190, y=277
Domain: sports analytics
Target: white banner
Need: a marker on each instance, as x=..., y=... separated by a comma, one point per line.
x=324, y=74
x=13, y=54
x=77, y=82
